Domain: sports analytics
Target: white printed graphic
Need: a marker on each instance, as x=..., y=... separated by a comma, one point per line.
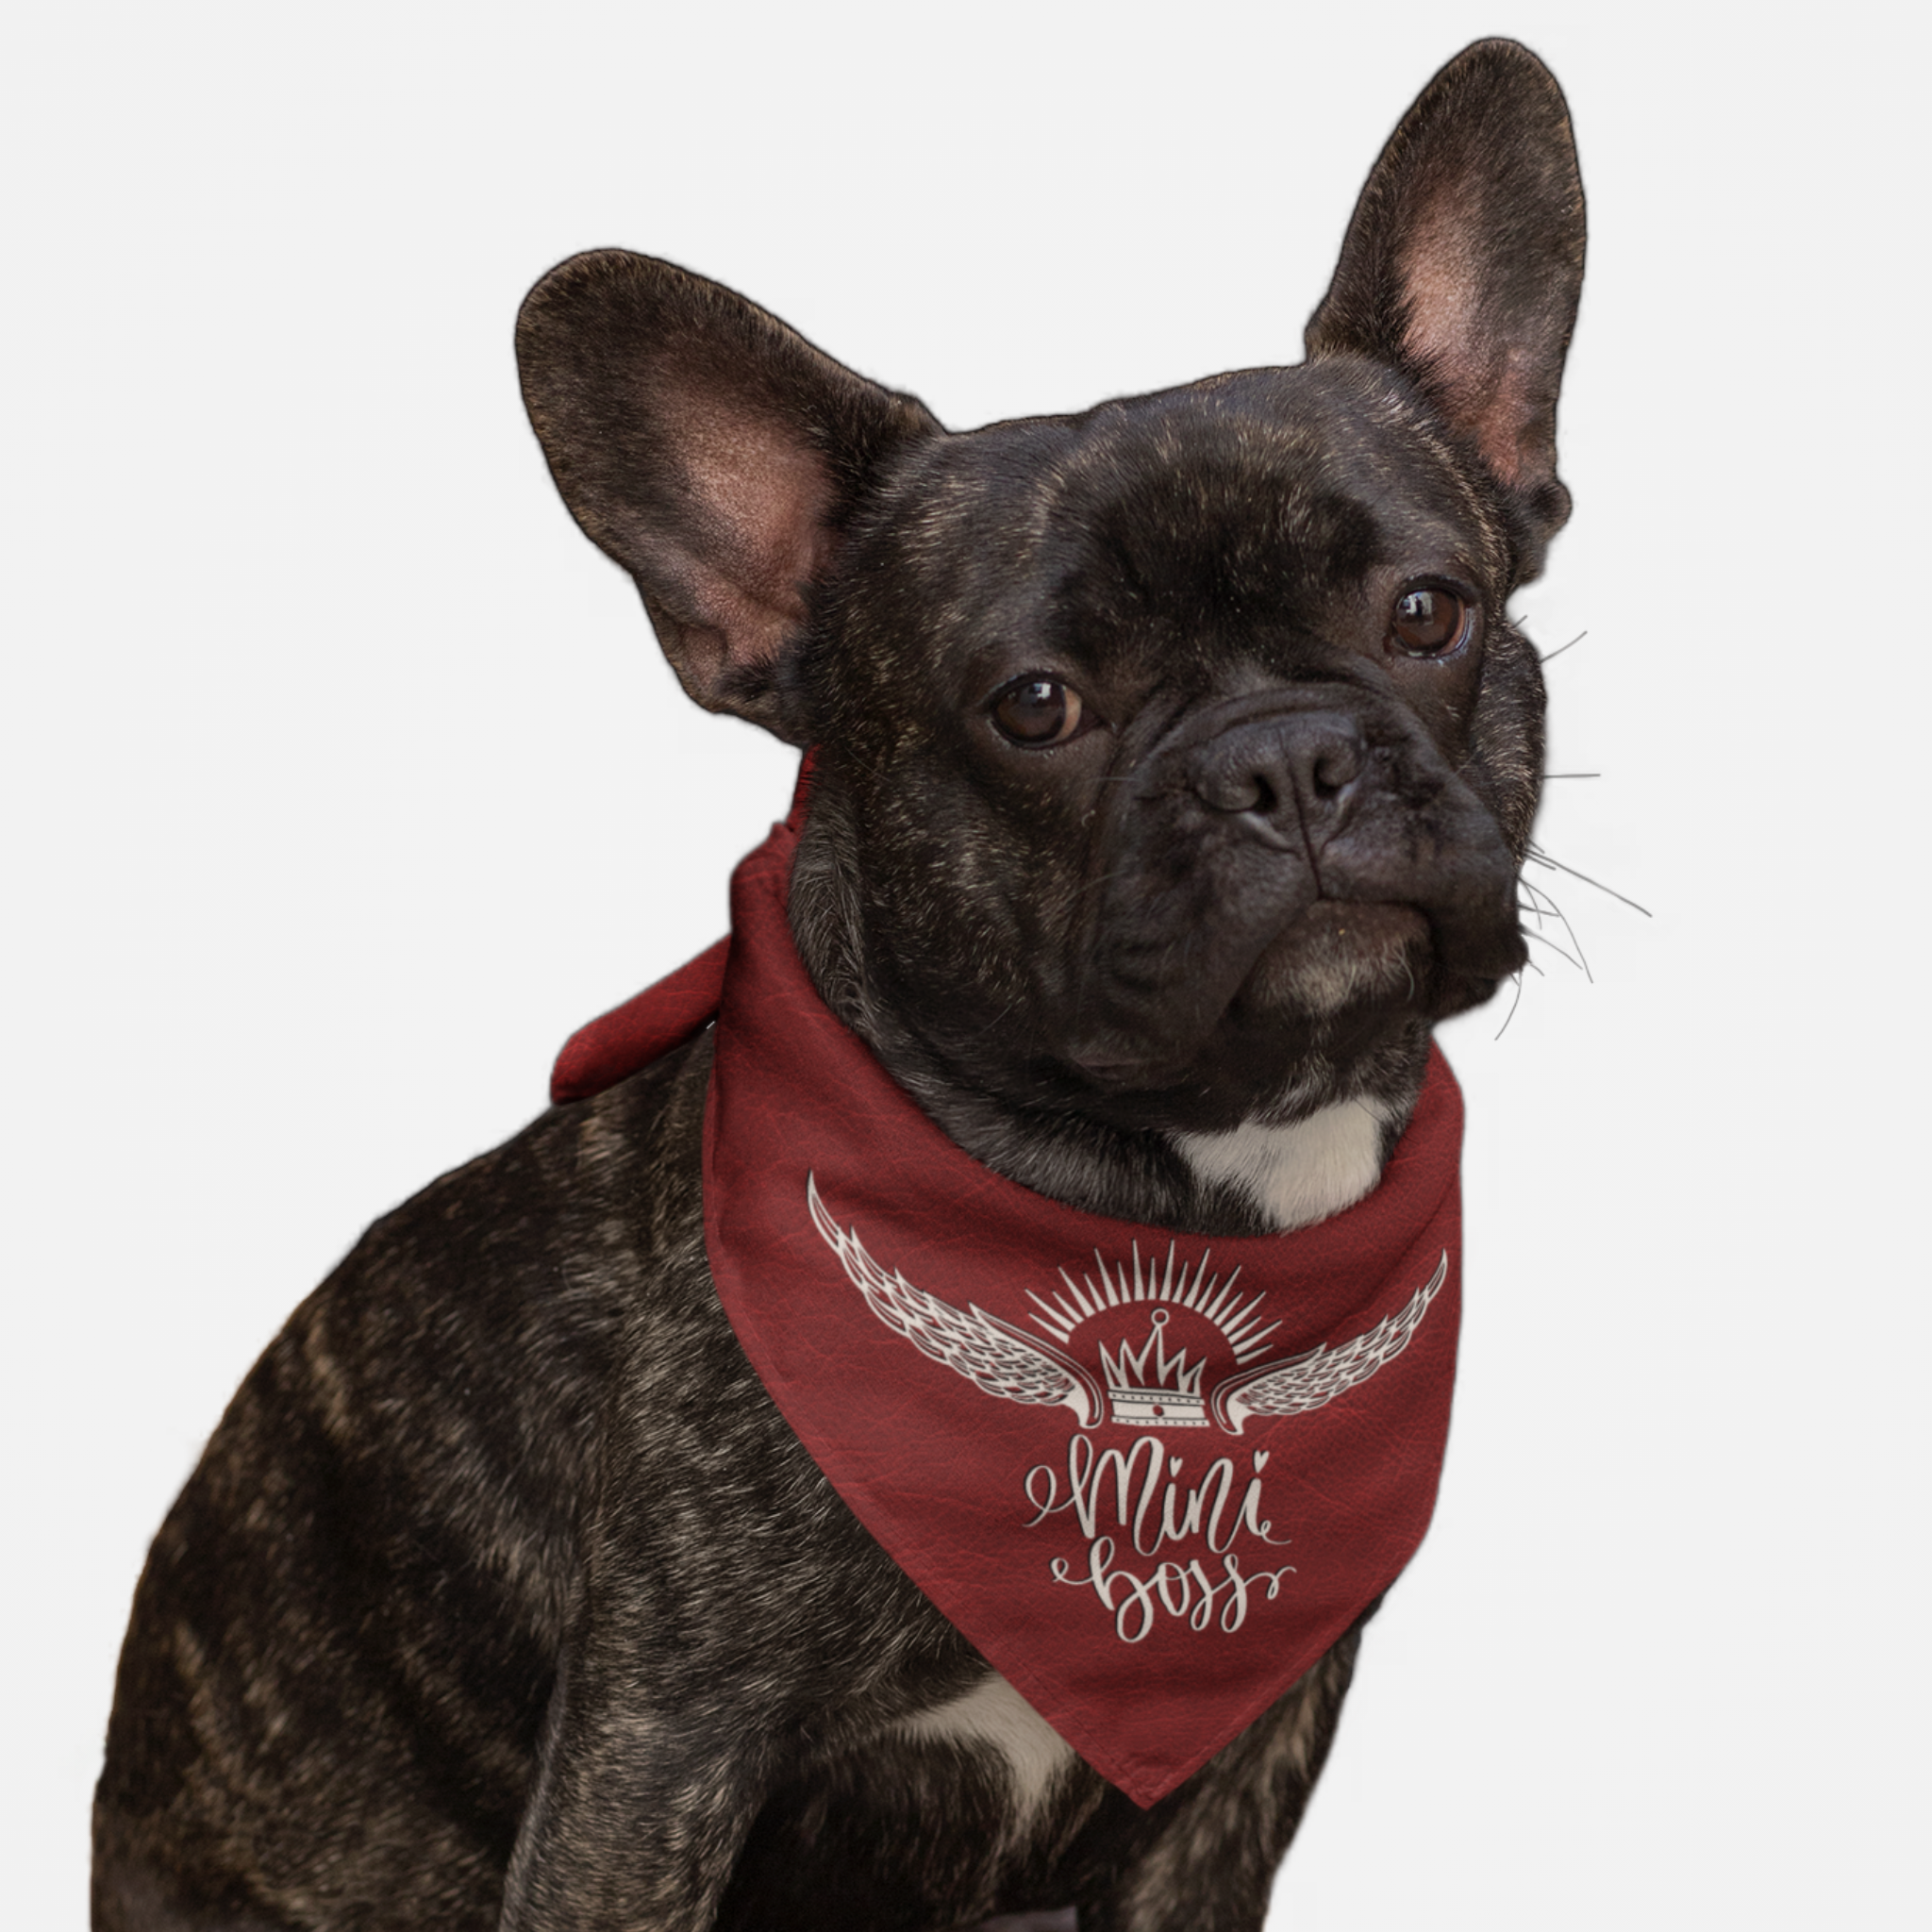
x=1142, y=1383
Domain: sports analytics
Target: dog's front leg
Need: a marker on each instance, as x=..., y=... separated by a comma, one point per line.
x=1206, y=1856
x=731, y=1620
x=639, y=1810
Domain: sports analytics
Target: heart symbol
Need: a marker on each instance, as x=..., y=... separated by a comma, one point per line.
x=1174, y=1465
x=1261, y=1460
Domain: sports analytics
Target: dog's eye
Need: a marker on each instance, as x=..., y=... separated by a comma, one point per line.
x=1430, y=622
x=1036, y=712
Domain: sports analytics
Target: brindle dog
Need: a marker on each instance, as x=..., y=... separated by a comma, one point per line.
x=1177, y=761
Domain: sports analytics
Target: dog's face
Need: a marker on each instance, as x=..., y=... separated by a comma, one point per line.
x=1177, y=757
x=1179, y=701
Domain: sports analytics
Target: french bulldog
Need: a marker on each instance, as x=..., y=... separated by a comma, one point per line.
x=1174, y=764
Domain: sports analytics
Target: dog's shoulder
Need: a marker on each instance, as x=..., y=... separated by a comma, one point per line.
x=529, y=1256
x=414, y=1453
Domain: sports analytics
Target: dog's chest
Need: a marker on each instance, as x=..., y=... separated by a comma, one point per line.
x=959, y=1814
x=992, y=1717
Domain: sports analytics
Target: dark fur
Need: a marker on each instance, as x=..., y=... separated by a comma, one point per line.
x=502, y=1595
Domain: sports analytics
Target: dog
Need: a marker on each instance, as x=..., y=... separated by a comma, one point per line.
x=1171, y=768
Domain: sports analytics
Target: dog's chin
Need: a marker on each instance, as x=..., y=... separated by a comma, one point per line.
x=1341, y=980
x=1344, y=969
x=1338, y=979
x=1335, y=956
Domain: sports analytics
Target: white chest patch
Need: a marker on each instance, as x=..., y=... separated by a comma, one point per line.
x=1297, y=1174
x=992, y=1712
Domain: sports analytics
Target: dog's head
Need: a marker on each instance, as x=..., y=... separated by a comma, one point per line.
x=1175, y=757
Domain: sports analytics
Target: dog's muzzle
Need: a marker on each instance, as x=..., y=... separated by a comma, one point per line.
x=1284, y=858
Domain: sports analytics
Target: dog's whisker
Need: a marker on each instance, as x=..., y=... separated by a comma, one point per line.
x=1563, y=918
x=1550, y=656
x=1542, y=940
x=1513, y=1005
x=1542, y=857
x=1106, y=879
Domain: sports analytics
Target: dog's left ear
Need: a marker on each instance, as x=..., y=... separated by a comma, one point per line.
x=1463, y=264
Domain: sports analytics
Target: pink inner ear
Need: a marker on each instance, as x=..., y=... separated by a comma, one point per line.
x=762, y=499
x=1480, y=378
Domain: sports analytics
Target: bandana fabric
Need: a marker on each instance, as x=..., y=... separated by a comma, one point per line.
x=1152, y=1477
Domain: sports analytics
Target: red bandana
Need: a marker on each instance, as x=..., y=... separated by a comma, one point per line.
x=1152, y=1477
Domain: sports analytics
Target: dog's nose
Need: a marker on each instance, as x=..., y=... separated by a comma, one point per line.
x=1293, y=776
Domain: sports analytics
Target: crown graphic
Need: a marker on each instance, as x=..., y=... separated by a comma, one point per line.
x=1148, y=1386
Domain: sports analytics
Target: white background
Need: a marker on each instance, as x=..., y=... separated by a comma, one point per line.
x=342, y=780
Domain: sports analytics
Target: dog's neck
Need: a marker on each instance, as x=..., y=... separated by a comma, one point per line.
x=1311, y=1154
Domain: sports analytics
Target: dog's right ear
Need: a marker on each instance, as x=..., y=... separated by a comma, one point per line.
x=711, y=451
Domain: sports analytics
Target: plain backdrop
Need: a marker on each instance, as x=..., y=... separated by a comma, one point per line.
x=342, y=780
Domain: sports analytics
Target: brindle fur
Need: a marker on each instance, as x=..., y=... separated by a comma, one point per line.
x=502, y=1595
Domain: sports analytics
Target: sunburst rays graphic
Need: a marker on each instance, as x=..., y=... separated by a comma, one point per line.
x=1194, y=1289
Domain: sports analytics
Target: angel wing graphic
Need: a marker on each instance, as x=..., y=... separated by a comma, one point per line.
x=1004, y=1361
x=1312, y=1381
x=990, y=1355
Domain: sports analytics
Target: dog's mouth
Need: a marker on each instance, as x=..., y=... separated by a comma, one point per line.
x=1337, y=954
x=1335, y=962
x=1336, y=977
